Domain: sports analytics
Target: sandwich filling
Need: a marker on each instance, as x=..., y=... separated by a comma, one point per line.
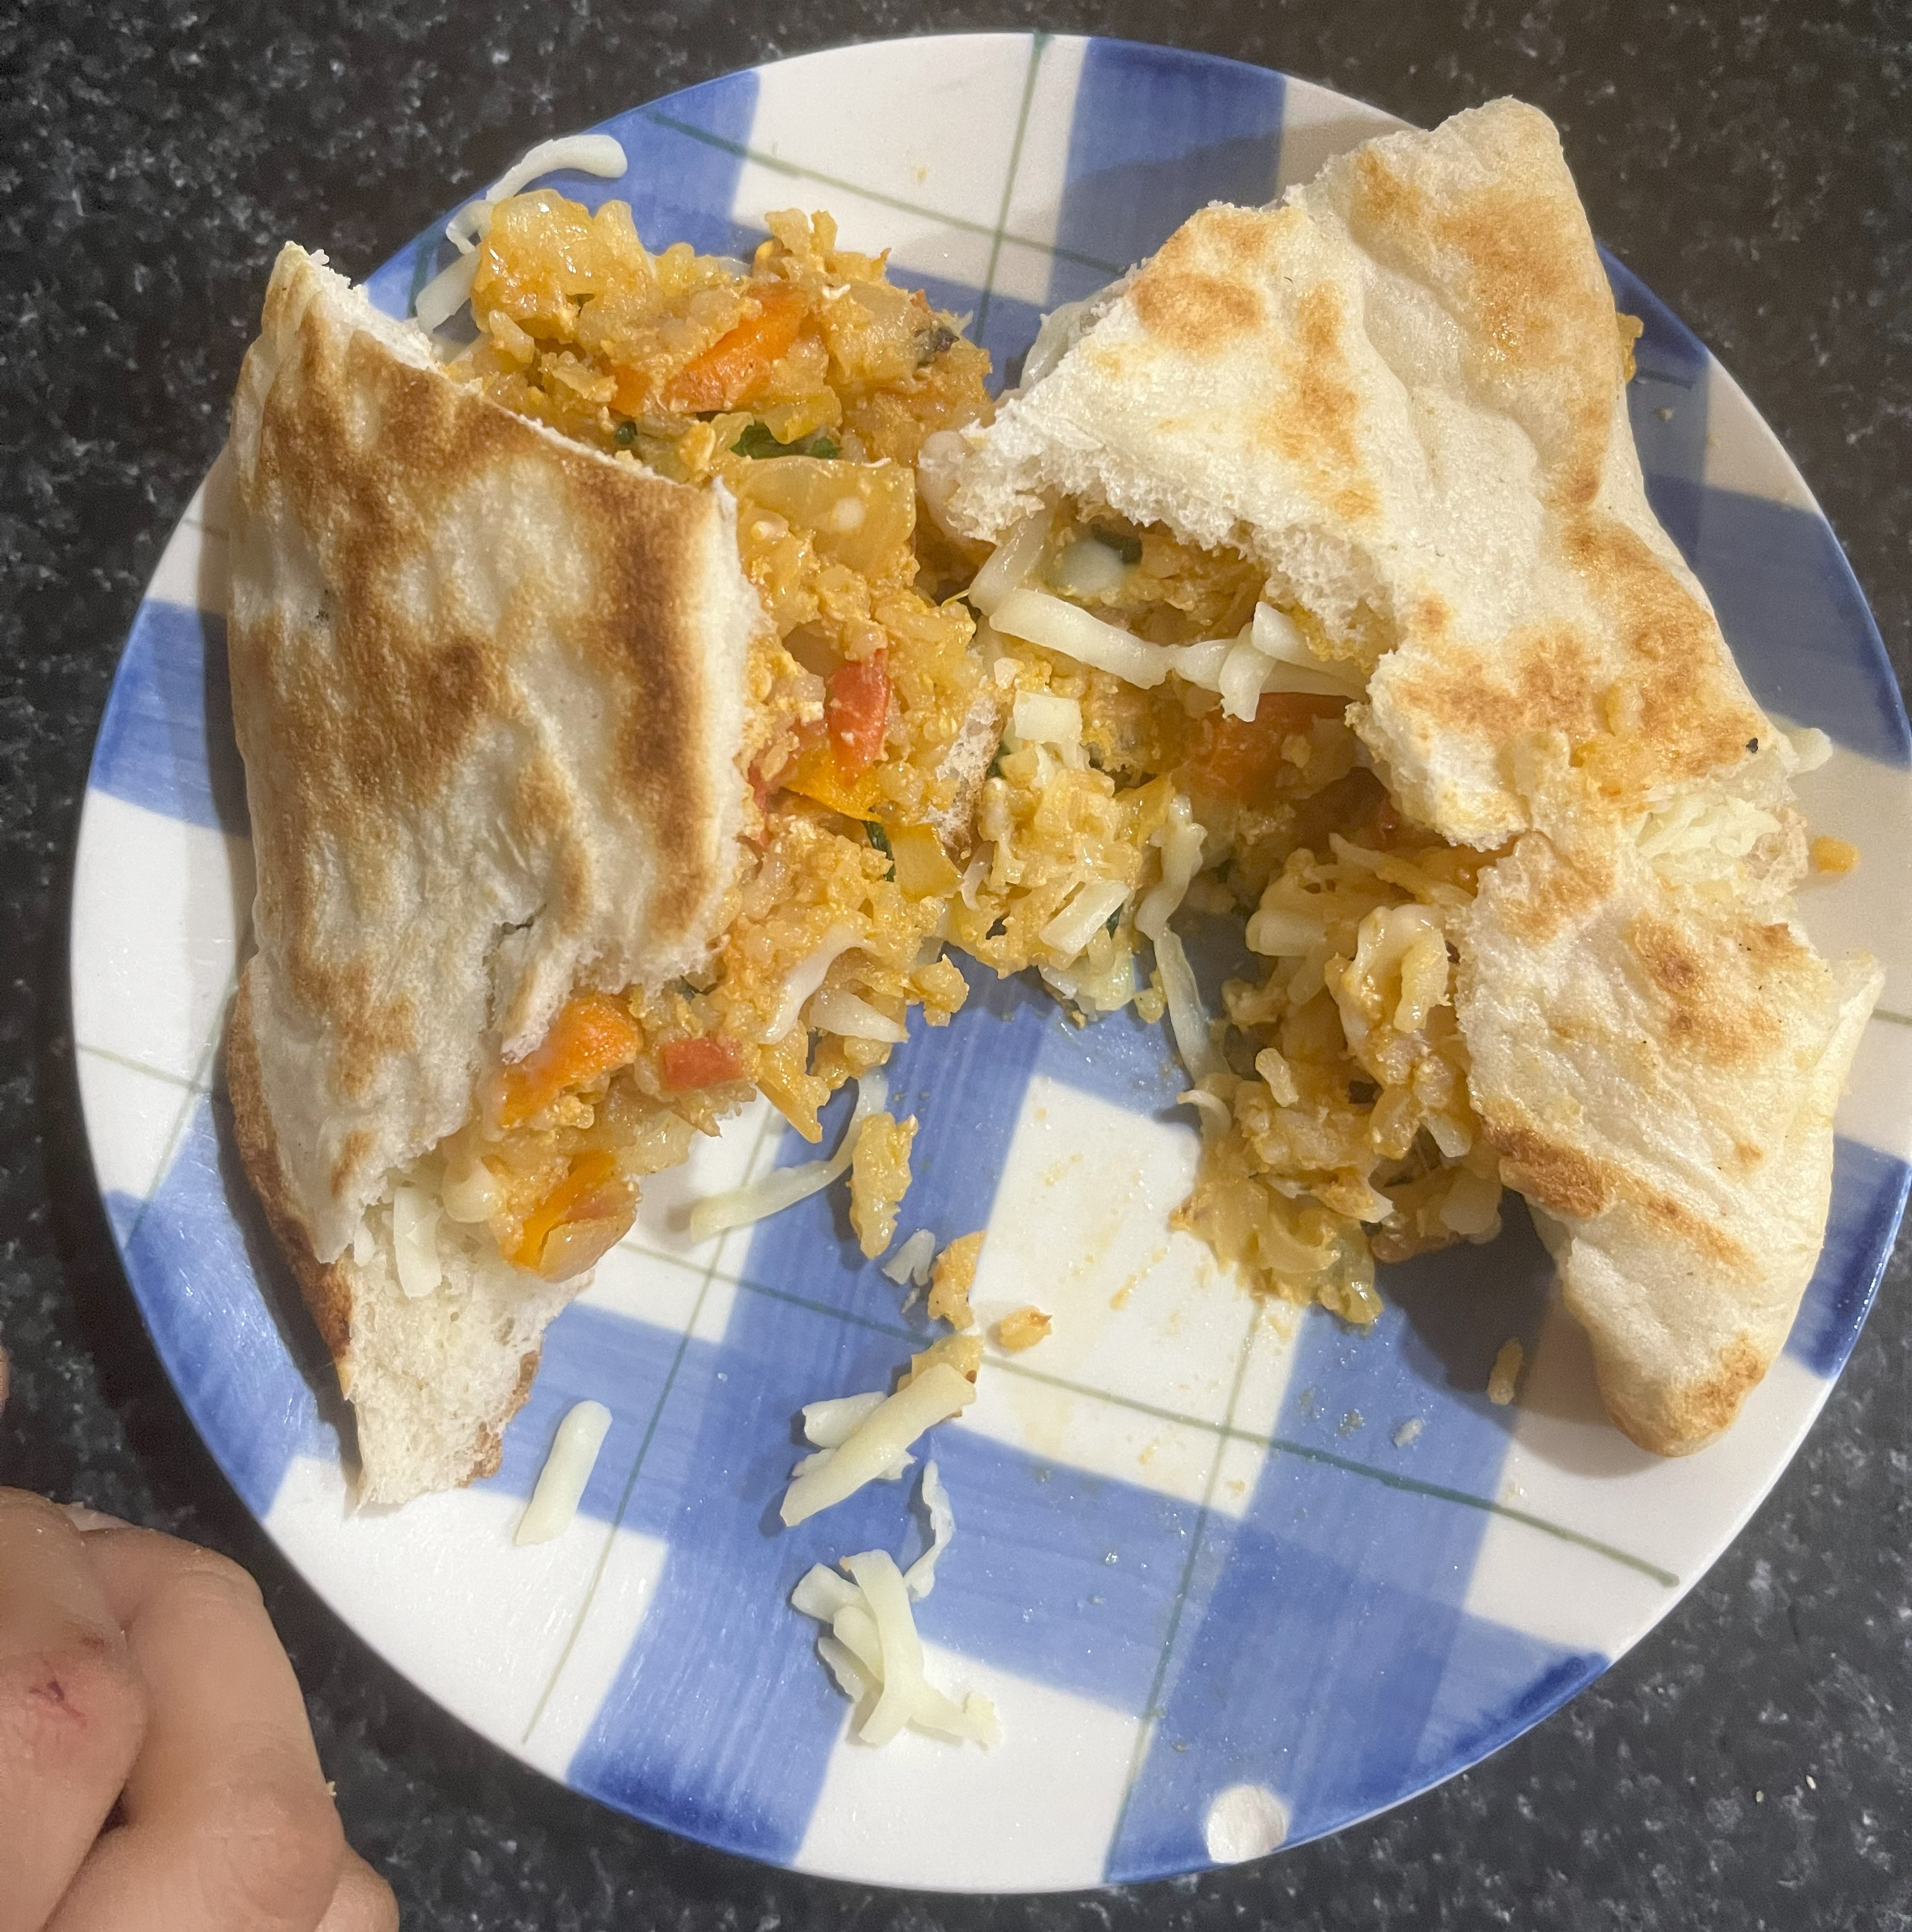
x=1034, y=754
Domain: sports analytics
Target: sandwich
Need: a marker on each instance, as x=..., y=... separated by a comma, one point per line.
x=508, y=653
x=653, y=669
x=1331, y=513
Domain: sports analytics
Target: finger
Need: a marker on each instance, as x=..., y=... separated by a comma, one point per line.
x=229, y=1824
x=363, y=1902
x=71, y=1707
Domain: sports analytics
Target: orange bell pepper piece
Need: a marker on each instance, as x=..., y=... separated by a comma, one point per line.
x=594, y=1034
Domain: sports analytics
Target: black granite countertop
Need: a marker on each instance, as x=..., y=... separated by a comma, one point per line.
x=1750, y=1764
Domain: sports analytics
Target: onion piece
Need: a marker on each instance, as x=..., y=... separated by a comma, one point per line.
x=1041, y=718
x=784, y=1186
x=1010, y=562
x=1087, y=568
x=938, y=463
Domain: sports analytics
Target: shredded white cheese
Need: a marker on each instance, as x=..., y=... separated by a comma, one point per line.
x=1180, y=839
x=1010, y=562
x=567, y=1469
x=920, y=1579
x=871, y=1646
x=806, y=977
x=784, y=1186
x=415, y=1241
x=890, y=1430
x=1188, y=1019
x=912, y=1261
x=597, y=154
x=1085, y=914
x=835, y=1010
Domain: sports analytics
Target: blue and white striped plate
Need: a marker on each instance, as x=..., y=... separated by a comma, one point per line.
x=1233, y=1577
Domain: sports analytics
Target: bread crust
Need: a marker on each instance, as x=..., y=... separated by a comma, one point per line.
x=327, y=1289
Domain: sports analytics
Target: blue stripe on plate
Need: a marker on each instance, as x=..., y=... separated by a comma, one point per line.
x=1868, y=1196
x=1793, y=613
x=1157, y=134
x=197, y=1255
x=680, y=188
x=1324, y=1652
x=166, y=741
x=1668, y=402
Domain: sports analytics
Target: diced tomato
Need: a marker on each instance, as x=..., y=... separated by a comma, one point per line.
x=595, y=1034
x=737, y=365
x=593, y=1193
x=699, y=1063
x=855, y=712
x=1240, y=760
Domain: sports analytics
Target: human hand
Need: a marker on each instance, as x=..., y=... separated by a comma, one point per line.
x=157, y=1771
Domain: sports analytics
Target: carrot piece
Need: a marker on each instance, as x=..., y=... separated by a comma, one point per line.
x=1239, y=759
x=592, y=1190
x=855, y=713
x=699, y=1063
x=594, y=1034
x=737, y=364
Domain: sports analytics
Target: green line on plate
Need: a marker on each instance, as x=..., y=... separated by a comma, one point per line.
x=637, y=1469
x=1389, y=1478
x=190, y=1083
x=796, y=172
x=1152, y=1710
x=1038, y=47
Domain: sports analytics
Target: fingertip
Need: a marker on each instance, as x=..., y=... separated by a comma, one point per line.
x=362, y=1902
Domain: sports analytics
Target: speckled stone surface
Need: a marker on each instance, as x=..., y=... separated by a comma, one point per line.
x=1750, y=1765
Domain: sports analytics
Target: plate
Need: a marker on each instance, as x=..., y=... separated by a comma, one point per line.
x=1233, y=1575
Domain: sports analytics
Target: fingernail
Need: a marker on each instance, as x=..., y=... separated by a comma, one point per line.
x=81, y=1517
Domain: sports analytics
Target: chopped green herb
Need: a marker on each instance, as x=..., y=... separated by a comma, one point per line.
x=624, y=435
x=1125, y=543
x=932, y=342
x=996, y=764
x=880, y=838
x=757, y=440
x=1114, y=920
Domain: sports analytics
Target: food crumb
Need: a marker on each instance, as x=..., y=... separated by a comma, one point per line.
x=1836, y=856
x=879, y=1178
x=1505, y=1373
x=1811, y=1784
x=952, y=1278
x=1409, y=1432
x=963, y=1353
x=1349, y=1423
x=1022, y=1329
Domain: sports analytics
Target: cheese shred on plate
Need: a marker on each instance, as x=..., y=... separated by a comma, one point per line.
x=869, y=1642
x=877, y=1440
x=567, y=1469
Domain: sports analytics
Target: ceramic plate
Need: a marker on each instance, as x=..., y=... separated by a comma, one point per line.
x=1232, y=1578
